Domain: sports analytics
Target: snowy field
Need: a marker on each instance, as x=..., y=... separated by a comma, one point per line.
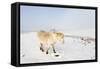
x=74, y=48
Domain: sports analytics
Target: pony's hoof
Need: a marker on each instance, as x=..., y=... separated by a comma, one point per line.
x=57, y=55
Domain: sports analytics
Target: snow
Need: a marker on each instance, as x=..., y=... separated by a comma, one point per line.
x=73, y=49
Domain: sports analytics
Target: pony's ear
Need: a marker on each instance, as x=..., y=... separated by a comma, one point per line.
x=42, y=31
x=55, y=32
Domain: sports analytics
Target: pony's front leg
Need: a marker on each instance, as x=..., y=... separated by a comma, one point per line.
x=53, y=48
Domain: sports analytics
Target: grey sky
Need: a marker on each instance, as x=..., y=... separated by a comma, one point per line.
x=64, y=19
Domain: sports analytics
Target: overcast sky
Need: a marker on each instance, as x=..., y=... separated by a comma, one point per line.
x=64, y=19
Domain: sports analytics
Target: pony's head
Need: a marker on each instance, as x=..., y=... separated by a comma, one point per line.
x=59, y=36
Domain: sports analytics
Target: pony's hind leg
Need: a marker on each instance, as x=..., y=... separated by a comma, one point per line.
x=47, y=50
x=41, y=47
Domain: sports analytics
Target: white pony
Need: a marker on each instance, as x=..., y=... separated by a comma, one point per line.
x=48, y=40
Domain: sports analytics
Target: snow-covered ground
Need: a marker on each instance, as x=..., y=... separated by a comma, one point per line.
x=73, y=49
